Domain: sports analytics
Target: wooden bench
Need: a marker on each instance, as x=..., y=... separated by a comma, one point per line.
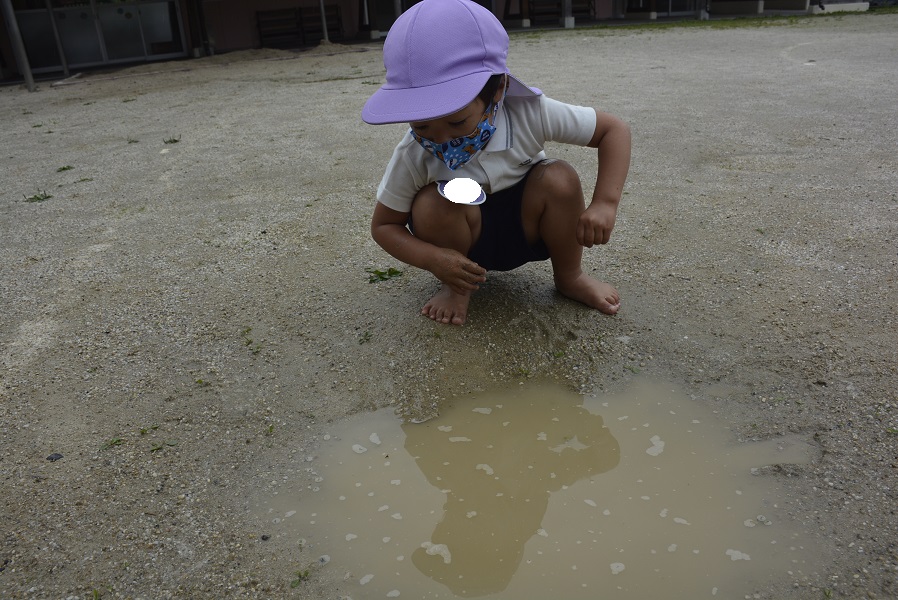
x=279, y=28
x=550, y=10
x=300, y=26
x=310, y=21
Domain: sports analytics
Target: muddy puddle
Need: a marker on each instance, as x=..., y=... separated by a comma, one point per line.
x=539, y=492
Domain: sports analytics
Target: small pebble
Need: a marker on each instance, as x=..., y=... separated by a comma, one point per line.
x=54, y=457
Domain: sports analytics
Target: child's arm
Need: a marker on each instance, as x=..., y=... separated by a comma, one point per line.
x=612, y=138
x=449, y=266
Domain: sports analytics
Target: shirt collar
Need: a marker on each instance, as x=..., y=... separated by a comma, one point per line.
x=503, y=138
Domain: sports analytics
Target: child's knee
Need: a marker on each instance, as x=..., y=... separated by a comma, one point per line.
x=558, y=175
x=558, y=178
x=426, y=203
x=433, y=216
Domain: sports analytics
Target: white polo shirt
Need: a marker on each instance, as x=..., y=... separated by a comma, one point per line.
x=523, y=126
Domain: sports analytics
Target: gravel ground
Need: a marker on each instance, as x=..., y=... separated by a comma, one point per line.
x=181, y=321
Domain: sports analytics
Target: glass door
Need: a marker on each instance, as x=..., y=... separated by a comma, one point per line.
x=120, y=24
x=681, y=7
x=78, y=32
x=162, y=30
x=98, y=32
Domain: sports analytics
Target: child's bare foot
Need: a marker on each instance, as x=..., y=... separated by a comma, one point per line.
x=448, y=306
x=591, y=292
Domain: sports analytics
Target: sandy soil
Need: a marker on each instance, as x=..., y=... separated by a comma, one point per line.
x=181, y=321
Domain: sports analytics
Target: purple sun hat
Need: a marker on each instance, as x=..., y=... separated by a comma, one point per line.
x=439, y=54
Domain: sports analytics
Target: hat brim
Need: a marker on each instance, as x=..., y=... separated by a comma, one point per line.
x=432, y=102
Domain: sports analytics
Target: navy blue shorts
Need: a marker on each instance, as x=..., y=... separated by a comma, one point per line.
x=502, y=245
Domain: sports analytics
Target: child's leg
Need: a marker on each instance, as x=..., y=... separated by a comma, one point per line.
x=447, y=225
x=552, y=204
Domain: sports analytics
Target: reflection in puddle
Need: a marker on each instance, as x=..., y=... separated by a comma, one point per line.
x=497, y=464
x=541, y=492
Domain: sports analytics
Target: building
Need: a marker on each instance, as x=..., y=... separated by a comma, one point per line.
x=64, y=36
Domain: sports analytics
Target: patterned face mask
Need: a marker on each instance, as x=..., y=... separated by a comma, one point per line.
x=457, y=152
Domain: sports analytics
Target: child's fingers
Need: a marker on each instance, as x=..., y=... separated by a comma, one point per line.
x=473, y=275
x=475, y=269
x=461, y=273
x=585, y=234
x=590, y=234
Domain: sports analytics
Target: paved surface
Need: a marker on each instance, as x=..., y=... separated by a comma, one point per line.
x=185, y=310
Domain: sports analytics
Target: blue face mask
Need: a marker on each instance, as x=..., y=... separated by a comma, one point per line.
x=457, y=152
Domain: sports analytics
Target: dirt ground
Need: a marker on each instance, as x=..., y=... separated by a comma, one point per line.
x=186, y=304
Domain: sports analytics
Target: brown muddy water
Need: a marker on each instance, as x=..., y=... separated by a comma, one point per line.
x=538, y=492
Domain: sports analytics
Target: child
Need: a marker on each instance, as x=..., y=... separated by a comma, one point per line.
x=446, y=77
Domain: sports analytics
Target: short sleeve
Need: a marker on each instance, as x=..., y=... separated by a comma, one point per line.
x=567, y=123
x=401, y=180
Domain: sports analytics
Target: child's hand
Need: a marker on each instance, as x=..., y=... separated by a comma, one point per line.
x=596, y=223
x=457, y=271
